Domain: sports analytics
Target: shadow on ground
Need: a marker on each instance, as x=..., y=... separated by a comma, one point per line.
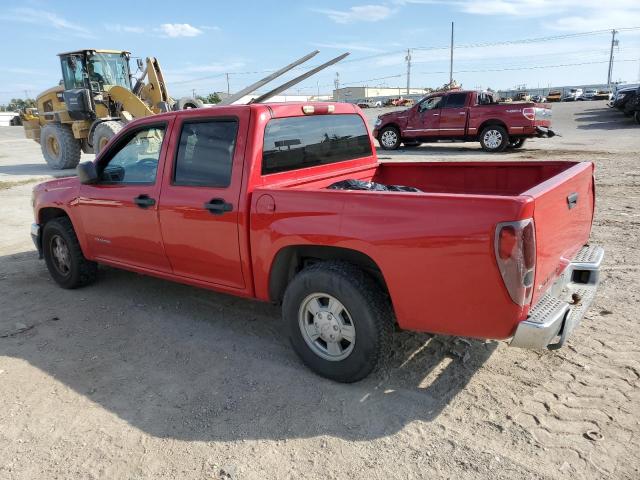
x=185, y=363
x=604, y=119
x=34, y=169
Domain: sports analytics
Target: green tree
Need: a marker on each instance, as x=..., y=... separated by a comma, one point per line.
x=18, y=104
x=211, y=98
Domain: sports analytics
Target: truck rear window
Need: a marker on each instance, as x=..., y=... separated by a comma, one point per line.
x=299, y=142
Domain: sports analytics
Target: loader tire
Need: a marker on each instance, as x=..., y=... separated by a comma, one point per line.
x=59, y=147
x=186, y=103
x=104, y=132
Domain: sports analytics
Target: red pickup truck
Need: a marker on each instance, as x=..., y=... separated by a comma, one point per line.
x=464, y=116
x=237, y=199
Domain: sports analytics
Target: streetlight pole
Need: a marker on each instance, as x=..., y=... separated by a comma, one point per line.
x=614, y=42
x=408, y=59
x=451, y=59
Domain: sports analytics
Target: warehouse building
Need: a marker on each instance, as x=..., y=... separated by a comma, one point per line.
x=347, y=94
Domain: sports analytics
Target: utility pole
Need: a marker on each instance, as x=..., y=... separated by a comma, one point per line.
x=193, y=93
x=336, y=84
x=408, y=59
x=451, y=58
x=614, y=43
x=228, y=90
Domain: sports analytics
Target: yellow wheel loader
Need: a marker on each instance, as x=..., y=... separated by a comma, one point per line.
x=93, y=101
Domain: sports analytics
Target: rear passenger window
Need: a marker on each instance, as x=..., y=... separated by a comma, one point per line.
x=205, y=153
x=300, y=142
x=456, y=100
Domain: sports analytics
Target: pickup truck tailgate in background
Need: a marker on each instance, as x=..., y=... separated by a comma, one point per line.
x=563, y=213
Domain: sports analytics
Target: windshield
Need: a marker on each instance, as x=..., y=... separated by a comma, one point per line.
x=108, y=69
x=100, y=69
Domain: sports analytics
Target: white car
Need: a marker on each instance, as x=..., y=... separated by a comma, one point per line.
x=590, y=93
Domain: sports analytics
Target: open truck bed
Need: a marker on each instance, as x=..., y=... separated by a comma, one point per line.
x=441, y=243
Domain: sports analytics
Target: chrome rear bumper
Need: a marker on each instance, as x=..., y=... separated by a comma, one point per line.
x=561, y=309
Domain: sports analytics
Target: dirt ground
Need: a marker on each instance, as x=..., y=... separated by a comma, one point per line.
x=136, y=377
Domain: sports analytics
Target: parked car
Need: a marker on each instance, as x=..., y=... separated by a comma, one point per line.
x=469, y=116
x=590, y=94
x=368, y=103
x=603, y=95
x=554, y=96
x=622, y=96
x=538, y=99
x=574, y=94
x=243, y=199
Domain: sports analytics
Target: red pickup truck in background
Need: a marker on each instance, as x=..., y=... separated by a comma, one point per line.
x=250, y=200
x=465, y=116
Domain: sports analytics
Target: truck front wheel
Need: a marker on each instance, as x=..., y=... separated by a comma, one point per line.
x=389, y=138
x=494, y=138
x=339, y=320
x=63, y=255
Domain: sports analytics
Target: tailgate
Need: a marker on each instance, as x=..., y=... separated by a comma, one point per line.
x=563, y=213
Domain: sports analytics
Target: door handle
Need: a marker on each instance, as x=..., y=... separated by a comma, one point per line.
x=144, y=201
x=436, y=114
x=572, y=200
x=462, y=113
x=218, y=206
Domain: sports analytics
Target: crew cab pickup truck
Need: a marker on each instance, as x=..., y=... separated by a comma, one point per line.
x=236, y=199
x=464, y=116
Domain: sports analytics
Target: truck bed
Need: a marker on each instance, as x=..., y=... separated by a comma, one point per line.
x=438, y=241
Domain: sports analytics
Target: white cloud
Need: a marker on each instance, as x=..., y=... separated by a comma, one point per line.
x=116, y=27
x=175, y=30
x=361, y=13
x=568, y=15
x=46, y=19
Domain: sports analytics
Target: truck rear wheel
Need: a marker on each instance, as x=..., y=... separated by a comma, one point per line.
x=494, y=138
x=104, y=132
x=339, y=320
x=389, y=138
x=59, y=147
x=64, y=258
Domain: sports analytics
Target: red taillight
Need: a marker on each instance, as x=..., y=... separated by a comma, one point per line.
x=507, y=242
x=515, y=247
x=529, y=113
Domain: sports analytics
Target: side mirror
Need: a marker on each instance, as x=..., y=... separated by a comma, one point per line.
x=140, y=64
x=87, y=173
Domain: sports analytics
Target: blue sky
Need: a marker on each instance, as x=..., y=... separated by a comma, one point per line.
x=197, y=42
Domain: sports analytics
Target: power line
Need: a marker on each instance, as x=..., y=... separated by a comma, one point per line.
x=531, y=67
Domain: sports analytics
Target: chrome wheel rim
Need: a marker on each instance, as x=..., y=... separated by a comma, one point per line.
x=493, y=139
x=389, y=138
x=60, y=255
x=327, y=327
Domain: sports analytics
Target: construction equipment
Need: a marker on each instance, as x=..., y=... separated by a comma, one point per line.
x=95, y=99
x=92, y=103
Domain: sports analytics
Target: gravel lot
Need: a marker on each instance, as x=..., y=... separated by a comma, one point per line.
x=135, y=377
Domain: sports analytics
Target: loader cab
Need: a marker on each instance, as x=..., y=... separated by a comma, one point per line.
x=88, y=74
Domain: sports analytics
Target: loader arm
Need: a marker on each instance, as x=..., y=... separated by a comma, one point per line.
x=154, y=92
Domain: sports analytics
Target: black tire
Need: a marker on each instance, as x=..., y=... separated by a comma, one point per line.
x=59, y=147
x=368, y=311
x=78, y=270
x=104, y=132
x=517, y=142
x=494, y=138
x=186, y=103
x=389, y=138
x=411, y=144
